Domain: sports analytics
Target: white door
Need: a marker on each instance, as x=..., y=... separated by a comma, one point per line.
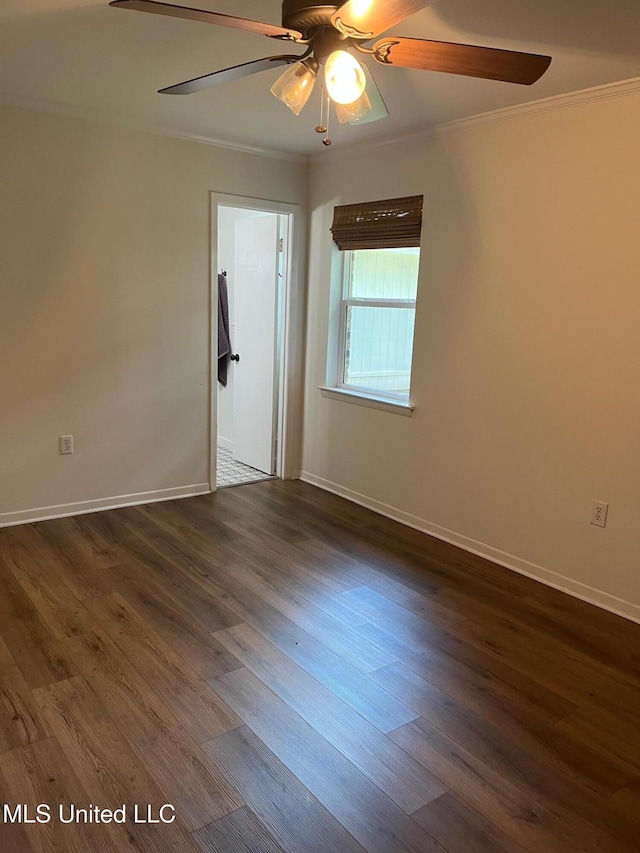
x=255, y=318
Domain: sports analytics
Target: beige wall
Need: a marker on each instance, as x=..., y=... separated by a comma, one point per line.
x=104, y=305
x=526, y=373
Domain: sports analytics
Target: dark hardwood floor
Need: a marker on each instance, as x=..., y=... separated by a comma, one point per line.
x=291, y=672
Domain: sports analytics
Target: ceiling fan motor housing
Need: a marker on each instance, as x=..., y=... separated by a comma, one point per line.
x=304, y=16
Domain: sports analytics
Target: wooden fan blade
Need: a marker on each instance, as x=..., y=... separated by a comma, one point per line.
x=364, y=19
x=208, y=18
x=226, y=74
x=487, y=62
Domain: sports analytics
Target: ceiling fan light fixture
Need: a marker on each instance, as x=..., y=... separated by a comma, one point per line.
x=354, y=111
x=329, y=32
x=344, y=77
x=295, y=85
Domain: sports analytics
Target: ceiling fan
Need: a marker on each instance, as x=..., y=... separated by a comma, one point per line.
x=331, y=34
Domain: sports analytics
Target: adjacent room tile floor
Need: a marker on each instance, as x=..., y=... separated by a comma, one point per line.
x=230, y=472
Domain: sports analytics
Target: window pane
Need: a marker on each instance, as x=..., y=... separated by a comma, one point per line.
x=378, y=347
x=384, y=274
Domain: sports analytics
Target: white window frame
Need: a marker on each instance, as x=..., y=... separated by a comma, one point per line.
x=360, y=394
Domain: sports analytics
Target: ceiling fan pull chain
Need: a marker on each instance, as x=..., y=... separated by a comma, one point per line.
x=321, y=127
x=326, y=140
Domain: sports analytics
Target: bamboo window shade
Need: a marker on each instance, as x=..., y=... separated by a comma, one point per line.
x=389, y=224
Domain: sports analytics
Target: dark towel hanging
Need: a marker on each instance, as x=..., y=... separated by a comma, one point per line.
x=224, y=344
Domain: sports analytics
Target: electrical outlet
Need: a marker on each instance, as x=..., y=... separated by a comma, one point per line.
x=66, y=444
x=599, y=513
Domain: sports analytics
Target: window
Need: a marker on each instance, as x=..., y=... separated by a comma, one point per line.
x=377, y=318
x=379, y=245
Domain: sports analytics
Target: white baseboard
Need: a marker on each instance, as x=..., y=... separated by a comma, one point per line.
x=26, y=516
x=572, y=587
x=227, y=443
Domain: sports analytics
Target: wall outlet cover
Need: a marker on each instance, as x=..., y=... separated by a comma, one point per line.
x=599, y=511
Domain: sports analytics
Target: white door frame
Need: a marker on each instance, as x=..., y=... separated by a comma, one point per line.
x=291, y=334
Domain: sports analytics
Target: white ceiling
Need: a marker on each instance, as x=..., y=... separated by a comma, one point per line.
x=83, y=57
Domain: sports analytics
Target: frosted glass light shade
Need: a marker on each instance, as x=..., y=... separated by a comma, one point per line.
x=354, y=111
x=295, y=85
x=344, y=77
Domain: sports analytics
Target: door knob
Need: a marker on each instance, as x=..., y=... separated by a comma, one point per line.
x=235, y=357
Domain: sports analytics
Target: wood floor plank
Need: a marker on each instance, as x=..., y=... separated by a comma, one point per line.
x=102, y=759
x=161, y=746
x=75, y=537
x=41, y=773
x=260, y=513
x=376, y=705
x=310, y=519
x=182, y=543
x=184, y=530
x=350, y=684
x=334, y=529
x=527, y=751
x=459, y=828
x=533, y=824
x=470, y=673
x=380, y=608
x=599, y=633
x=6, y=659
x=265, y=574
x=13, y=836
x=525, y=748
x=560, y=618
x=107, y=526
x=361, y=807
x=201, y=516
x=194, y=705
x=358, y=651
x=370, y=538
x=238, y=832
x=611, y=736
x=290, y=557
x=626, y=803
x=21, y=721
x=59, y=609
x=186, y=595
x=406, y=595
x=76, y=560
x=175, y=623
x=290, y=813
x=344, y=572
x=398, y=550
x=45, y=583
x=296, y=592
x=40, y=658
x=143, y=562
x=394, y=771
x=347, y=682
x=566, y=671
x=263, y=552
x=25, y=552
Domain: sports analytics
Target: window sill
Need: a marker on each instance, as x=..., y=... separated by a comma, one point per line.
x=370, y=401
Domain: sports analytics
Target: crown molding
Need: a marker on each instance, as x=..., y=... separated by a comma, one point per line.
x=580, y=97
x=607, y=91
x=158, y=130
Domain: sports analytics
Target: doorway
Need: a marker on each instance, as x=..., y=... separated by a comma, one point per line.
x=253, y=266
